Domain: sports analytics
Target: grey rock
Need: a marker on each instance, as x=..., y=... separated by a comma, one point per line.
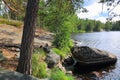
x=12, y=75
x=17, y=50
x=52, y=59
x=87, y=59
x=18, y=55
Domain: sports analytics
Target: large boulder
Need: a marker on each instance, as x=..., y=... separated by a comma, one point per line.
x=87, y=57
x=52, y=59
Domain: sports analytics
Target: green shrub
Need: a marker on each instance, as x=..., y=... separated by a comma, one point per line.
x=71, y=44
x=62, y=52
x=81, y=31
x=11, y=22
x=38, y=65
x=59, y=52
x=65, y=50
x=69, y=77
x=59, y=75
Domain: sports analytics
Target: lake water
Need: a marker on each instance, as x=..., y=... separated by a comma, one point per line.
x=109, y=41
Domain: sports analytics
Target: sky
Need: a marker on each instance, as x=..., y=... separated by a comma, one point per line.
x=95, y=11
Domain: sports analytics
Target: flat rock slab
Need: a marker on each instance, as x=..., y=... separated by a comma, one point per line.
x=12, y=75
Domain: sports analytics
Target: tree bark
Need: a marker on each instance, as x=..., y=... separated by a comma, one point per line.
x=24, y=65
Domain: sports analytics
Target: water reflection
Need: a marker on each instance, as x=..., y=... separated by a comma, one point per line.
x=109, y=41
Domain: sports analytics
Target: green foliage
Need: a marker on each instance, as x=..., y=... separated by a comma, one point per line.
x=42, y=13
x=56, y=19
x=62, y=52
x=108, y=26
x=112, y=26
x=86, y=25
x=13, y=9
x=72, y=23
x=11, y=22
x=62, y=39
x=59, y=75
x=38, y=64
x=71, y=44
x=59, y=52
x=116, y=26
x=81, y=31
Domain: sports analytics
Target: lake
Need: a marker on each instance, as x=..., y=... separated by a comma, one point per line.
x=109, y=41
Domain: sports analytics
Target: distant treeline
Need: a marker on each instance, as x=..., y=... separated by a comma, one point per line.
x=76, y=24
x=115, y=26
x=87, y=25
x=92, y=25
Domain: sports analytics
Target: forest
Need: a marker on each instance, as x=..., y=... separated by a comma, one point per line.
x=49, y=17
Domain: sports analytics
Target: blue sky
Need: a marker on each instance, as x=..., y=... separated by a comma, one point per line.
x=88, y=2
x=95, y=11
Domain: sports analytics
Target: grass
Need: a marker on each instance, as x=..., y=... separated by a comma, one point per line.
x=10, y=22
x=38, y=65
x=81, y=31
x=62, y=52
x=59, y=75
x=39, y=68
x=59, y=52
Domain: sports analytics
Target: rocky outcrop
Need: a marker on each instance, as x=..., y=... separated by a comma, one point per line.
x=85, y=53
x=86, y=57
x=11, y=36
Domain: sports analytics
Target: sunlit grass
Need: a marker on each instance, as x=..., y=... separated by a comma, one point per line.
x=59, y=75
x=39, y=67
x=59, y=52
x=62, y=52
x=11, y=22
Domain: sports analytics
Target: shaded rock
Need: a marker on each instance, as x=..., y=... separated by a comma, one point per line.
x=12, y=75
x=68, y=61
x=52, y=59
x=91, y=58
x=68, y=64
x=46, y=48
x=2, y=57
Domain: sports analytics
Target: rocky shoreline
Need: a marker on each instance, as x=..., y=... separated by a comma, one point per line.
x=81, y=55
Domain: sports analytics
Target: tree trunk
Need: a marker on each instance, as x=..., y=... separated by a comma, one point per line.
x=24, y=65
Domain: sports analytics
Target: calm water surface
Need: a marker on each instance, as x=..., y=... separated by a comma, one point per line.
x=109, y=41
